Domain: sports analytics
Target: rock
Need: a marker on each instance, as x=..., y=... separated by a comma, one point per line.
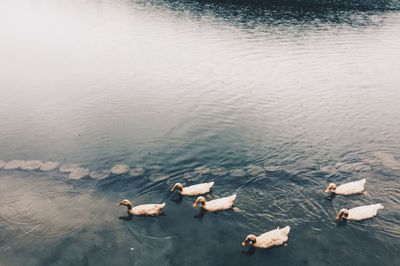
x=238, y=172
x=69, y=167
x=78, y=173
x=158, y=177
x=49, y=165
x=328, y=169
x=202, y=170
x=387, y=160
x=254, y=170
x=138, y=171
x=14, y=164
x=32, y=165
x=218, y=171
x=99, y=175
x=120, y=169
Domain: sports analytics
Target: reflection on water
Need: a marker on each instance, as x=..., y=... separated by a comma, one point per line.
x=272, y=100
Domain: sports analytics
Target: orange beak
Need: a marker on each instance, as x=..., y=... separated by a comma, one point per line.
x=243, y=244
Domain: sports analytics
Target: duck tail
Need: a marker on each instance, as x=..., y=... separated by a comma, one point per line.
x=362, y=181
x=286, y=230
x=162, y=205
x=211, y=184
x=379, y=206
x=233, y=197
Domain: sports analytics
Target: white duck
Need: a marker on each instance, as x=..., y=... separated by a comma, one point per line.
x=143, y=210
x=359, y=213
x=194, y=190
x=215, y=205
x=276, y=237
x=355, y=187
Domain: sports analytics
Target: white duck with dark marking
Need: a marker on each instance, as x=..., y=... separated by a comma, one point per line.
x=355, y=187
x=194, y=190
x=359, y=213
x=215, y=205
x=277, y=237
x=143, y=210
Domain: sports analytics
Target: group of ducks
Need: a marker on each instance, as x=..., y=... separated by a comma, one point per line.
x=277, y=237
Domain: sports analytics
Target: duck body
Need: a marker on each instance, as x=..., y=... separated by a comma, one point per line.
x=216, y=205
x=355, y=187
x=196, y=190
x=143, y=210
x=277, y=237
x=360, y=213
x=147, y=210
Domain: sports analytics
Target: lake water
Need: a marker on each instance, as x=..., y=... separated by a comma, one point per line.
x=272, y=100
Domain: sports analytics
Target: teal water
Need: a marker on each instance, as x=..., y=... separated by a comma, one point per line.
x=268, y=96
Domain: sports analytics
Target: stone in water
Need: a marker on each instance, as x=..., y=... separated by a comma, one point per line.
x=14, y=164
x=32, y=165
x=49, y=165
x=136, y=171
x=68, y=167
x=78, y=173
x=120, y=169
x=99, y=175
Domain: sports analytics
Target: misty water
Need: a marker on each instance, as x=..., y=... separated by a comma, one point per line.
x=271, y=100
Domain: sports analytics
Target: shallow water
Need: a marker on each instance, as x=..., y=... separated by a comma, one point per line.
x=272, y=101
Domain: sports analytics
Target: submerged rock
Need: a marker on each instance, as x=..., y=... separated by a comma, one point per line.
x=32, y=165
x=120, y=169
x=138, y=171
x=237, y=172
x=328, y=169
x=158, y=177
x=49, y=165
x=154, y=167
x=218, y=171
x=352, y=167
x=69, y=167
x=202, y=170
x=272, y=168
x=2, y=163
x=78, y=173
x=387, y=160
x=99, y=175
x=254, y=170
x=14, y=164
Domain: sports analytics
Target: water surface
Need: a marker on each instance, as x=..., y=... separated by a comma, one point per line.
x=271, y=100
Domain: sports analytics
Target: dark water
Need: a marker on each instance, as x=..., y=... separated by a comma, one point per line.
x=266, y=94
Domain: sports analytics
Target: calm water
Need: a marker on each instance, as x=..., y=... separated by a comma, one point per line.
x=268, y=97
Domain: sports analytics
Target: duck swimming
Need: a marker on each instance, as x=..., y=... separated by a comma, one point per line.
x=355, y=187
x=194, y=190
x=359, y=213
x=277, y=237
x=215, y=205
x=143, y=210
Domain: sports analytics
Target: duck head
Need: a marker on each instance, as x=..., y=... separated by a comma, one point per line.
x=250, y=240
x=342, y=214
x=177, y=186
x=126, y=203
x=331, y=188
x=199, y=200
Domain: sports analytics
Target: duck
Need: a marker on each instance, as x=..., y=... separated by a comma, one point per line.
x=142, y=210
x=355, y=187
x=215, y=205
x=277, y=237
x=194, y=190
x=359, y=213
